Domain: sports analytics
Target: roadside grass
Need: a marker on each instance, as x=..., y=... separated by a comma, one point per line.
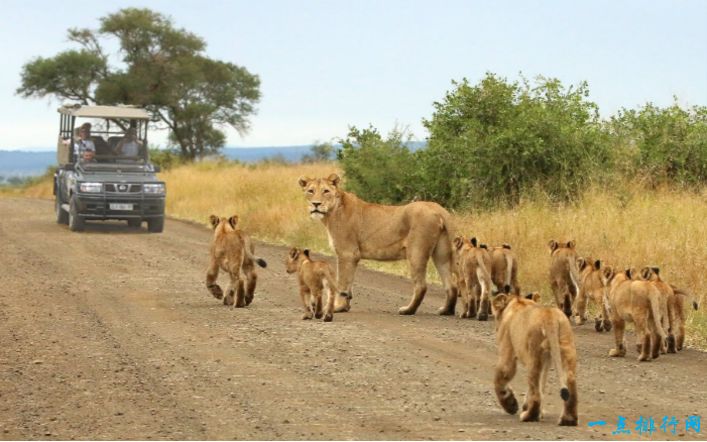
x=623, y=226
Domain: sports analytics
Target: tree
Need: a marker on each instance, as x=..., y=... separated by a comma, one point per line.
x=163, y=69
x=319, y=152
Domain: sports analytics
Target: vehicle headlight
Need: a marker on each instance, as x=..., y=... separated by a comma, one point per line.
x=90, y=187
x=153, y=188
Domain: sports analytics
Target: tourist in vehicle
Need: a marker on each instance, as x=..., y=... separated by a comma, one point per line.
x=129, y=146
x=84, y=143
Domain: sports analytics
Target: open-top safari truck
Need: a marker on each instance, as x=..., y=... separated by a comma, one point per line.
x=112, y=182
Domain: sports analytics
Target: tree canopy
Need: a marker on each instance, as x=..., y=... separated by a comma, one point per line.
x=163, y=69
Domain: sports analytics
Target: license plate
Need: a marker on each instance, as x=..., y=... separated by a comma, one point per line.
x=118, y=206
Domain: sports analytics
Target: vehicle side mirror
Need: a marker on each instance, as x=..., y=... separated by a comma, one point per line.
x=157, y=168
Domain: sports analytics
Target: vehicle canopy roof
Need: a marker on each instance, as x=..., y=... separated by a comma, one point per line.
x=114, y=112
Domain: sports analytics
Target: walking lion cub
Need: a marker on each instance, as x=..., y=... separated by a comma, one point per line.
x=474, y=278
x=538, y=336
x=232, y=251
x=315, y=277
x=639, y=302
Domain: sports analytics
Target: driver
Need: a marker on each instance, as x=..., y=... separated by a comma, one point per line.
x=129, y=146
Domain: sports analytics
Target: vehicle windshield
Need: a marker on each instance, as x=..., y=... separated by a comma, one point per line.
x=100, y=142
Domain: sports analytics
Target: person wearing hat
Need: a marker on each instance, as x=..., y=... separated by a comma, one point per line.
x=84, y=149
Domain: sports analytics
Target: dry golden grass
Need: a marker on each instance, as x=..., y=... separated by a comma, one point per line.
x=627, y=227
x=265, y=197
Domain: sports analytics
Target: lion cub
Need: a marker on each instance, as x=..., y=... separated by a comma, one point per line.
x=564, y=275
x=675, y=299
x=314, y=278
x=594, y=284
x=475, y=285
x=538, y=336
x=639, y=302
x=504, y=267
x=232, y=251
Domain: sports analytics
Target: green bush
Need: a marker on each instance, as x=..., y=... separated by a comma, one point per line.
x=493, y=142
x=165, y=158
x=663, y=145
x=377, y=169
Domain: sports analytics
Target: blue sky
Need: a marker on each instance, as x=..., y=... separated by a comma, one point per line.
x=325, y=65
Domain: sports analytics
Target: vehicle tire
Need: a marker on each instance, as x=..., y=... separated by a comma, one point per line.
x=134, y=223
x=76, y=222
x=62, y=217
x=155, y=225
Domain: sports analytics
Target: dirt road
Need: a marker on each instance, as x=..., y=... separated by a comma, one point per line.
x=111, y=334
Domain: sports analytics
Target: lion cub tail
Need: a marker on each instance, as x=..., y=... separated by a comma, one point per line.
x=552, y=333
x=260, y=261
x=680, y=292
x=654, y=298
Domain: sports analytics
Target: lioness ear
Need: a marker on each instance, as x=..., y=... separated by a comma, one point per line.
x=213, y=219
x=608, y=273
x=628, y=273
x=656, y=270
x=233, y=221
x=458, y=242
x=306, y=252
x=303, y=181
x=597, y=264
x=571, y=244
x=506, y=246
x=483, y=246
x=553, y=245
x=334, y=179
x=581, y=263
x=294, y=252
x=473, y=241
x=507, y=289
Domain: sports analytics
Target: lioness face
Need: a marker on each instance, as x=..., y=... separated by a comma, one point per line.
x=322, y=194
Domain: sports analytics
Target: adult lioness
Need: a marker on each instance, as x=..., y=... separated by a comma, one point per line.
x=473, y=265
x=361, y=230
x=639, y=302
x=593, y=286
x=232, y=251
x=537, y=336
x=564, y=275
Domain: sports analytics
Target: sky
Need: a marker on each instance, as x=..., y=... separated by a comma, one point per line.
x=328, y=65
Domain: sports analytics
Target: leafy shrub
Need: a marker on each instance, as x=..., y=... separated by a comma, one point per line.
x=377, y=169
x=664, y=145
x=493, y=142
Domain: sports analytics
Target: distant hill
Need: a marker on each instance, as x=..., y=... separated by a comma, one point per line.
x=291, y=154
x=18, y=163
x=22, y=163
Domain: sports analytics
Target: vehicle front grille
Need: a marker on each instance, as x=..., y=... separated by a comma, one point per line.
x=123, y=188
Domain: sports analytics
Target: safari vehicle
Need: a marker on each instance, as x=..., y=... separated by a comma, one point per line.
x=110, y=185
